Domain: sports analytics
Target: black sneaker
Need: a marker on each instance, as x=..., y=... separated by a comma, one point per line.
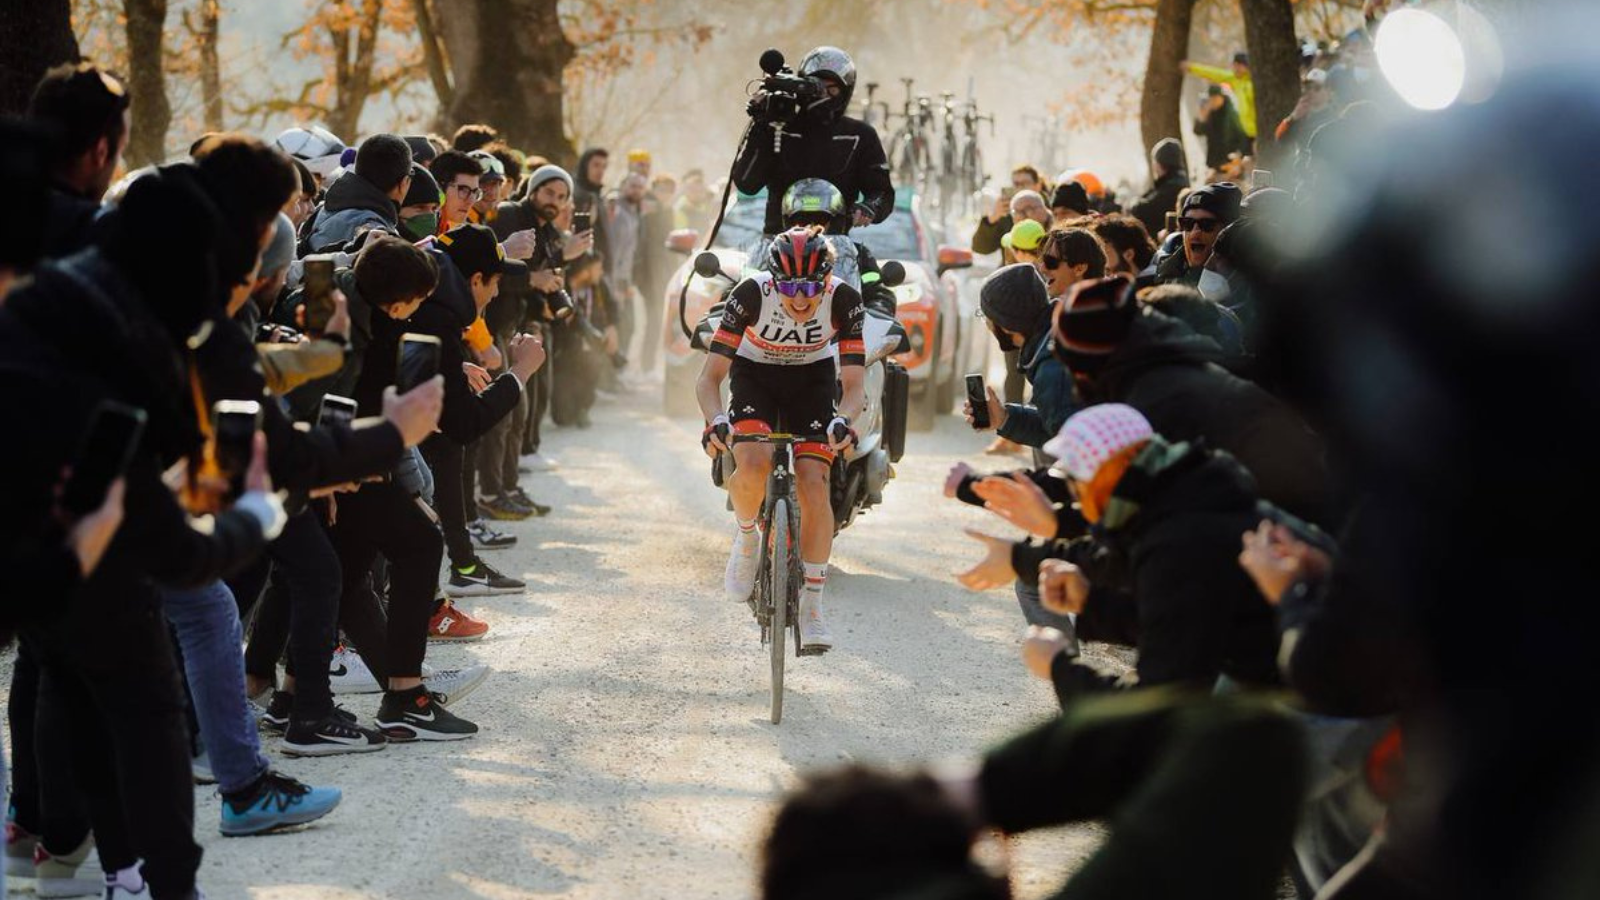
x=486, y=538
x=416, y=715
x=499, y=582
x=276, y=718
x=521, y=498
x=333, y=735
x=474, y=583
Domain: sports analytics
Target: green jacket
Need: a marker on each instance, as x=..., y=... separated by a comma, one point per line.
x=1244, y=92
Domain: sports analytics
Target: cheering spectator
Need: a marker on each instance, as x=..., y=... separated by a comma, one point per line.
x=1239, y=82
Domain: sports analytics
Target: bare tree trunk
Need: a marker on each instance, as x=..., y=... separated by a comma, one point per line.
x=510, y=77
x=433, y=55
x=152, y=113
x=352, y=69
x=1163, y=77
x=36, y=35
x=1274, y=67
x=206, y=34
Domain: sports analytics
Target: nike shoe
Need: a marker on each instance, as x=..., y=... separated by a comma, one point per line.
x=450, y=685
x=348, y=673
x=743, y=563
x=416, y=715
x=56, y=875
x=275, y=801
x=502, y=509
x=276, y=718
x=451, y=624
x=486, y=538
x=814, y=634
x=468, y=583
x=334, y=735
x=521, y=498
x=19, y=850
x=499, y=582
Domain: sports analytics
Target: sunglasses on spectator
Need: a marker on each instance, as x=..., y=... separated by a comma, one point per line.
x=1187, y=224
x=1051, y=262
x=468, y=191
x=806, y=288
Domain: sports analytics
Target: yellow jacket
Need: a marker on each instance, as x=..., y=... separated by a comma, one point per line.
x=1244, y=92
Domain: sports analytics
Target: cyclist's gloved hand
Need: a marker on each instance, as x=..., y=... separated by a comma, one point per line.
x=840, y=434
x=714, y=439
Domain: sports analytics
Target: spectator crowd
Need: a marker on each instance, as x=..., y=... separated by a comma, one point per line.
x=1307, y=451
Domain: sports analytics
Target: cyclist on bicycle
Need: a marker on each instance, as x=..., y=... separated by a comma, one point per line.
x=780, y=333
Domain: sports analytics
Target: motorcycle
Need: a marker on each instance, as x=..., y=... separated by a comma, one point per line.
x=859, y=474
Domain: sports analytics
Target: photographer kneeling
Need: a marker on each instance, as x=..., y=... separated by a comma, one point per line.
x=799, y=130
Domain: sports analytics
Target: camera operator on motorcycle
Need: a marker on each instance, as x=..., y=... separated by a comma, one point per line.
x=816, y=204
x=800, y=131
x=780, y=332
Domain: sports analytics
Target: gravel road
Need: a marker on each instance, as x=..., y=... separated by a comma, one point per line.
x=626, y=751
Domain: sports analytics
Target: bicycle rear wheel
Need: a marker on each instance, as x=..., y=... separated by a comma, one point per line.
x=778, y=586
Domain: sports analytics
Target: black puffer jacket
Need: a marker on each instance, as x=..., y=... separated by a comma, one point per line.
x=1172, y=375
x=1171, y=580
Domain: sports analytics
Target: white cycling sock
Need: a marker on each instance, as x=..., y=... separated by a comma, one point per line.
x=816, y=580
x=129, y=879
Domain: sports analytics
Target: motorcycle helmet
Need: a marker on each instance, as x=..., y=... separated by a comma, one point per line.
x=812, y=201
x=835, y=63
x=800, y=260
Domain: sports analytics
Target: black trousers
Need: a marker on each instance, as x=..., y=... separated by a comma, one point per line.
x=303, y=593
x=445, y=458
x=110, y=683
x=63, y=822
x=578, y=374
x=539, y=387
x=384, y=518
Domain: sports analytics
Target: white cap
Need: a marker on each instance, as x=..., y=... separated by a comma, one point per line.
x=1316, y=76
x=1094, y=435
x=313, y=145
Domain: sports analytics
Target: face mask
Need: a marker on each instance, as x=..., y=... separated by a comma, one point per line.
x=421, y=225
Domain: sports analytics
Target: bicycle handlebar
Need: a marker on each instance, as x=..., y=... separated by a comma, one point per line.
x=779, y=438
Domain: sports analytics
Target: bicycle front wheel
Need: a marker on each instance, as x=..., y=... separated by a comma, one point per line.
x=778, y=586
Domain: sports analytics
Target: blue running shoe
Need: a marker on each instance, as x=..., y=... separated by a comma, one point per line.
x=276, y=801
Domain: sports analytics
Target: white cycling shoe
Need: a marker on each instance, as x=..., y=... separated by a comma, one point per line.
x=814, y=634
x=744, y=560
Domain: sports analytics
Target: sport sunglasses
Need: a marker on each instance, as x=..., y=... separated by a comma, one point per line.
x=799, y=288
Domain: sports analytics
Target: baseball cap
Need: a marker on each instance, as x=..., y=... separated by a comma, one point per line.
x=1316, y=76
x=313, y=145
x=1025, y=235
x=1093, y=436
x=474, y=250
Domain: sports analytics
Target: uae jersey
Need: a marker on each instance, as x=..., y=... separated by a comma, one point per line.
x=756, y=326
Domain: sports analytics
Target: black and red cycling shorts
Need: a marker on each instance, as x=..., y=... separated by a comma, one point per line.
x=787, y=399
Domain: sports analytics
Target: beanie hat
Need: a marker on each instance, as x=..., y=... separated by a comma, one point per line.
x=1014, y=296
x=424, y=187
x=280, y=252
x=1168, y=154
x=546, y=173
x=1092, y=321
x=1072, y=195
x=1093, y=436
x=422, y=149
x=1025, y=235
x=638, y=155
x=1222, y=200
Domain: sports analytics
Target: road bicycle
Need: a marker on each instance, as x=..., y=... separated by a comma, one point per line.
x=911, y=148
x=775, y=600
x=875, y=112
x=969, y=167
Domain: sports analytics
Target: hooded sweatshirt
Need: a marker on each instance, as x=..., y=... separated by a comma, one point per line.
x=353, y=205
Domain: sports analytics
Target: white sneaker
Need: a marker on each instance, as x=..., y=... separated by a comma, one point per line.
x=814, y=634
x=537, y=462
x=450, y=685
x=117, y=885
x=201, y=765
x=743, y=562
x=348, y=674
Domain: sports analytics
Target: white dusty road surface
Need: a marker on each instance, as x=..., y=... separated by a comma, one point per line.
x=626, y=750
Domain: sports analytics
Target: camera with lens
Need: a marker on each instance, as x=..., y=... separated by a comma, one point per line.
x=783, y=96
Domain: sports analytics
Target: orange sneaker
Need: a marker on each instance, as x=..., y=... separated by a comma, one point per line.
x=451, y=624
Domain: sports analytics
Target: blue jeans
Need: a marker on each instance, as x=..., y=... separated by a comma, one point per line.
x=206, y=621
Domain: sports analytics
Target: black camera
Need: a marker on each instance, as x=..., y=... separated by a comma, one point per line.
x=783, y=96
x=559, y=304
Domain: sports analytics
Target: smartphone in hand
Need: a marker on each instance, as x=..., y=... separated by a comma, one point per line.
x=582, y=220
x=106, y=452
x=978, y=397
x=234, y=426
x=336, y=410
x=319, y=294
x=418, y=361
